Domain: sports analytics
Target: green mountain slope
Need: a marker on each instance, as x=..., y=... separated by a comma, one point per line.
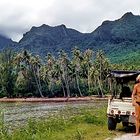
x=119, y=39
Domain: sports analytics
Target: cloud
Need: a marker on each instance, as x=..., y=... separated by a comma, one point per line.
x=18, y=16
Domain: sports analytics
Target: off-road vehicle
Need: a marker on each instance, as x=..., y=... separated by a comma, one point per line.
x=120, y=107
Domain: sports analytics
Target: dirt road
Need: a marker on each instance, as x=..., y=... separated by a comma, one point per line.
x=129, y=136
x=72, y=99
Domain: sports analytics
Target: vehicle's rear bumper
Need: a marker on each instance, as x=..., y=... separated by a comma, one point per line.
x=123, y=118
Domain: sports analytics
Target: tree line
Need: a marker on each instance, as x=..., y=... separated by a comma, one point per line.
x=82, y=74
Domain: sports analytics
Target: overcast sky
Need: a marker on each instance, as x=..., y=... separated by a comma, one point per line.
x=18, y=16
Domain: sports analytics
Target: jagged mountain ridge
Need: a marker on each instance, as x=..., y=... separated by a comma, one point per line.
x=125, y=28
x=110, y=36
x=116, y=38
x=44, y=39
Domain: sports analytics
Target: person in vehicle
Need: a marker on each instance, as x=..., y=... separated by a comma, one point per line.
x=126, y=92
x=136, y=103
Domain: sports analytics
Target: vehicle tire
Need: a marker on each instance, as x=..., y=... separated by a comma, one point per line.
x=125, y=124
x=111, y=123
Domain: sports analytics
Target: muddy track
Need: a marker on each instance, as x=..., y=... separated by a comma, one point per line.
x=127, y=133
x=72, y=99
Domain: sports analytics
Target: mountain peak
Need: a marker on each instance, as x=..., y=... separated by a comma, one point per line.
x=48, y=26
x=44, y=27
x=63, y=26
x=128, y=15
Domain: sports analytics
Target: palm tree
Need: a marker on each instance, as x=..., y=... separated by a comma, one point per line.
x=76, y=61
x=102, y=67
x=88, y=55
x=29, y=66
x=50, y=71
x=35, y=65
x=64, y=65
x=59, y=75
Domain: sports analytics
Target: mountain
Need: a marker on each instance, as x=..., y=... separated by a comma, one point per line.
x=119, y=39
x=44, y=39
x=124, y=29
x=5, y=42
x=115, y=38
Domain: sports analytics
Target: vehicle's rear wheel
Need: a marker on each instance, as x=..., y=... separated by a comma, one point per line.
x=111, y=123
x=125, y=124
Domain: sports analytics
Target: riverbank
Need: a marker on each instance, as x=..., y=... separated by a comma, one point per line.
x=62, y=99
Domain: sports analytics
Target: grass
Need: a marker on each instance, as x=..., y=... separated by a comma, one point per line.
x=81, y=124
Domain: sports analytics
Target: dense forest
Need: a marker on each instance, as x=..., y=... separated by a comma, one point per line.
x=85, y=73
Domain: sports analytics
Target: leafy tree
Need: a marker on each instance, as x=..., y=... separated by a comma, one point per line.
x=7, y=73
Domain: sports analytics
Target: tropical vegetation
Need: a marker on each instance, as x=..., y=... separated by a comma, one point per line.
x=85, y=73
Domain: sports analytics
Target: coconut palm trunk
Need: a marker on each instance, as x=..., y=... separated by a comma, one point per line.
x=37, y=83
x=89, y=80
x=66, y=83
x=62, y=84
x=100, y=86
x=78, y=85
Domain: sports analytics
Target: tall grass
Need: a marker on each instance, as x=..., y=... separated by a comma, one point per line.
x=86, y=124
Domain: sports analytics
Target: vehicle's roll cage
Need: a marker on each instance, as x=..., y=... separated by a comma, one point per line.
x=121, y=77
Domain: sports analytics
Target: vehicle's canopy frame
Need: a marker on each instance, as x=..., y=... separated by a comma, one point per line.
x=120, y=77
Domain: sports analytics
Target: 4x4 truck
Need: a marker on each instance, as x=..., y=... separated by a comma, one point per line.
x=120, y=107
